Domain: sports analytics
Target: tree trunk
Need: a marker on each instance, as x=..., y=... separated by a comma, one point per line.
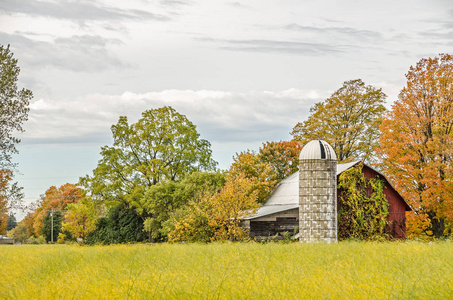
x=437, y=225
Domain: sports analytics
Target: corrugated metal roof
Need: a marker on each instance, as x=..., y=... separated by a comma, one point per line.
x=287, y=191
x=286, y=195
x=266, y=210
x=343, y=167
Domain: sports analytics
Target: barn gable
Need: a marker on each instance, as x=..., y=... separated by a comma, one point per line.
x=280, y=212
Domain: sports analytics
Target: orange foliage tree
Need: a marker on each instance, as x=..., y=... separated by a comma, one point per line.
x=56, y=199
x=283, y=157
x=4, y=179
x=273, y=162
x=10, y=197
x=416, y=145
x=28, y=221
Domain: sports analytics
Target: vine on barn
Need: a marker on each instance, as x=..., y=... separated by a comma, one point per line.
x=363, y=206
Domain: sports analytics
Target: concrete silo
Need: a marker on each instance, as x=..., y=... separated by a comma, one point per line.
x=318, y=193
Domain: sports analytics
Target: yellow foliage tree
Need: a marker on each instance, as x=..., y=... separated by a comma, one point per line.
x=80, y=219
x=262, y=177
x=217, y=217
x=349, y=121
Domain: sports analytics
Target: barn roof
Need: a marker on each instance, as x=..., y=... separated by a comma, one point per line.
x=286, y=195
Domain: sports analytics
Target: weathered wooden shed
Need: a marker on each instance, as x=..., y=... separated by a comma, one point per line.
x=280, y=212
x=6, y=240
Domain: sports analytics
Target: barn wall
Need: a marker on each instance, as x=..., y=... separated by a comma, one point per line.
x=275, y=224
x=7, y=241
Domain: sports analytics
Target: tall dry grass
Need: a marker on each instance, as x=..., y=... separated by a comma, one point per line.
x=347, y=270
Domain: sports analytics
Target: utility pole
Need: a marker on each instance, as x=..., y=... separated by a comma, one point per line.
x=51, y=226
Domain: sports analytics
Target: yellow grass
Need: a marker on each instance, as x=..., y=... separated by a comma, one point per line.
x=347, y=270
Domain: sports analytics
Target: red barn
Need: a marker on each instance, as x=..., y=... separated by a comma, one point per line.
x=397, y=205
x=280, y=213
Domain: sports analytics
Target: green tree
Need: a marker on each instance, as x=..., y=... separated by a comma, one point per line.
x=121, y=225
x=11, y=222
x=19, y=233
x=14, y=106
x=52, y=224
x=349, y=121
x=162, y=146
x=162, y=199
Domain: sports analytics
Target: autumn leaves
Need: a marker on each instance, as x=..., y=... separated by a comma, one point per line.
x=412, y=142
x=416, y=145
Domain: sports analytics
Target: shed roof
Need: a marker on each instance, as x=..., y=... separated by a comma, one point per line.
x=267, y=210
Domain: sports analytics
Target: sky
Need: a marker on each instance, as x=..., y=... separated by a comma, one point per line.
x=244, y=72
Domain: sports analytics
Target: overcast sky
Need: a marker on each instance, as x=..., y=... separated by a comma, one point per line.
x=243, y=72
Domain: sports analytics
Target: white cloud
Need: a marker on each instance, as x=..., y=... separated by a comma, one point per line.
x=220, y=116
x=76, y=10
x=335, y=32
x=79, y=53
x=278, y=46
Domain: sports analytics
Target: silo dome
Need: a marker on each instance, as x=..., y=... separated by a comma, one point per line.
x=317, y=149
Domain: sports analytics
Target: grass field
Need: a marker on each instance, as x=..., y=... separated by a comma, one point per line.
x=347, y=270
